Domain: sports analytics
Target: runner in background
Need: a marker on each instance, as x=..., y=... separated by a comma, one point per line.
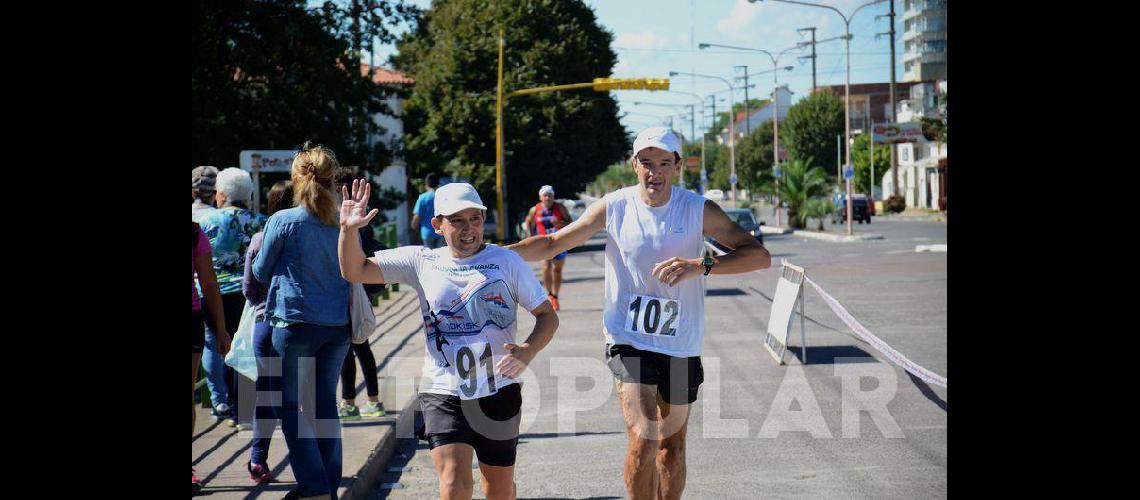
x=545, y=218
x=424, y=211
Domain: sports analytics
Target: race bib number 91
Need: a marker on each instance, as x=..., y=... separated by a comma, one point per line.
x=475, y=367
x=650, y=315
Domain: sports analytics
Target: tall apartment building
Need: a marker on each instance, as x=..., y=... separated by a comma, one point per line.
x=924, y=40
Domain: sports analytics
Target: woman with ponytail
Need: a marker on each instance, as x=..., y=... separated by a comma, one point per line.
x=307, y=307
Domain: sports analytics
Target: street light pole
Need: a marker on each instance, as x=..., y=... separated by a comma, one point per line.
x=776, y=105
x=692, y=128
x=846, y=84
x=500, y=186
x=731, y=127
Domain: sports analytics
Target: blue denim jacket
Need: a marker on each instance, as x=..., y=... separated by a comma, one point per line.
x=298, y=260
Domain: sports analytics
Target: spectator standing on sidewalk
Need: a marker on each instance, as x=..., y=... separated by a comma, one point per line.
x=230, y=229
x=202, y=181
x=202, y=274
x=265, y=413
x=347, y=409
x=307, y=306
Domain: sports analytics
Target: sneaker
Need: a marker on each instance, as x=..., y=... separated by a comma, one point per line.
x=195, y=483
x=242, y=426
x=373, y=409
x=348, y=411
x=258, y=473
x=554, y=301
x=220, y=412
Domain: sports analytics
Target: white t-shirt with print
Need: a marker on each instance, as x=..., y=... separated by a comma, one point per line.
x=469, y=308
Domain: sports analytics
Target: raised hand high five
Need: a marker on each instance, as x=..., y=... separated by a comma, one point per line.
x=354, y=209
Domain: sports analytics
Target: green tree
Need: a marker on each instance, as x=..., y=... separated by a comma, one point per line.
x=801, y=182
x=614, y=177
x=861, y=157
x=270, y=75
x=811, y=127
x=753, y=162
x=564, y=139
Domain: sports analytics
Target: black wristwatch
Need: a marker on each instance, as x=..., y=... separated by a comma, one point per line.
x=708, y=263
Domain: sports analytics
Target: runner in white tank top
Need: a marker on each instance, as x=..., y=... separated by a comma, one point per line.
x=653, y=317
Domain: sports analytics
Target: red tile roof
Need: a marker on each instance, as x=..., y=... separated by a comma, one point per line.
x=384, y=76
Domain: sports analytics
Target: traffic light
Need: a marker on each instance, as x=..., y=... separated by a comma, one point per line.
x=606, y=84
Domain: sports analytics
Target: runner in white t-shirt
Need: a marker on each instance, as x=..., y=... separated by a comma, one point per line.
x=469, y=293
x=653, y=319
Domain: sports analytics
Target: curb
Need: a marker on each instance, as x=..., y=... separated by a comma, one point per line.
x=931, y=248
x=840, y=238
x=362, y=483
x=775, y=230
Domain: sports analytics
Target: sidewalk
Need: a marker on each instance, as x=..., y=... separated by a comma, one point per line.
x=220, y=453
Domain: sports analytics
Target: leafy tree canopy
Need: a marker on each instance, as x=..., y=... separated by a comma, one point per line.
x=564, y=139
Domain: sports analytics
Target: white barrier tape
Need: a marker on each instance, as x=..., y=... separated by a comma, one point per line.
x=896, y=357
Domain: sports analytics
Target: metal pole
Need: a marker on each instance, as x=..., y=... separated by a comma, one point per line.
x=813, y=60
x=871, y=131
x=747, y=125
x=847, y=115
x=732, y=140
x=838, y=161
x=894, y=113
x=499, y=147
x=803, y=336
x=776, y=133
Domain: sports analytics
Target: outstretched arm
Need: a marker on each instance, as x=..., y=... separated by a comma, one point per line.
x=355, y=267
x=747, y=254
x=547, y=246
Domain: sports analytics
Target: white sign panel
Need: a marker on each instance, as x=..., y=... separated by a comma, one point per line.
x=892, y=133
x=269, y=160
x=780, y=321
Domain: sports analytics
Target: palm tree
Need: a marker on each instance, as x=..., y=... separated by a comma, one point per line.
x=818, y=208
x=799, y=183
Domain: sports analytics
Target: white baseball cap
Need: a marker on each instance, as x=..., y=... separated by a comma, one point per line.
x=545, y=189
x=456, y=196
x=657, y=137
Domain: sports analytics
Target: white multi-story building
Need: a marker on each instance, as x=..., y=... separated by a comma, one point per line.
x=924, y=40
x=394, y=175
x=922, y=168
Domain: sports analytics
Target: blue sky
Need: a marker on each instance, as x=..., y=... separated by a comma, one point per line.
x=652, y=38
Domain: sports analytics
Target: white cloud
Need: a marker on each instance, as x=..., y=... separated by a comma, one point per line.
x=642, y=40
x=736, y=25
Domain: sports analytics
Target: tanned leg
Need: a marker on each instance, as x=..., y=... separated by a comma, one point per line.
x=638, y=406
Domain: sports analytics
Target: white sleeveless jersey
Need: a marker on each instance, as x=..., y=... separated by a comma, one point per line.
x=640, y=310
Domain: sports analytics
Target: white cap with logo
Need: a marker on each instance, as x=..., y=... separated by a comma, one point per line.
x=657, y=137
x=545, y=189
x=456, y=196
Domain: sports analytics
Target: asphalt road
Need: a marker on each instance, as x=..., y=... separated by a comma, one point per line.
x=758, y=428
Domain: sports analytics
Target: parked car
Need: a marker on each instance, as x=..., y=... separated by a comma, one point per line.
x=861, y=209
x=742, y=217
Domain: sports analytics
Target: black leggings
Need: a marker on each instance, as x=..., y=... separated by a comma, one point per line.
x=367, y=365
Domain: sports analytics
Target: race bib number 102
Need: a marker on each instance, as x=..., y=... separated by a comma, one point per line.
x=649, y=315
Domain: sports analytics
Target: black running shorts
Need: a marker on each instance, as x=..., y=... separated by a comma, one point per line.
x=677, y=379
x=489, y=424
